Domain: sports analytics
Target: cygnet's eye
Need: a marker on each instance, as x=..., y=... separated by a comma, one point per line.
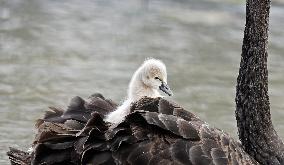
x=157, y=78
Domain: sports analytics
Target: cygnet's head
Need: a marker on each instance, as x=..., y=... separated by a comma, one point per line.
x=154, y=75
x=150, y=77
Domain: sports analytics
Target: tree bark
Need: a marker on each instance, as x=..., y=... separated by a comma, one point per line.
x=255, y=128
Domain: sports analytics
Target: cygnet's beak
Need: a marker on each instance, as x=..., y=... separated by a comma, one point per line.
x=165, y=88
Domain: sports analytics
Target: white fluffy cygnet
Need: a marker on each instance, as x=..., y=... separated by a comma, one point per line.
x=150, y=77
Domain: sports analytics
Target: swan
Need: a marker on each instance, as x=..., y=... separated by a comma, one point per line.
x=157, y=131
x=150, y=77
x=152, y=130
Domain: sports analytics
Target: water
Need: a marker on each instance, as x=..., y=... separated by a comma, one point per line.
x=52, y=50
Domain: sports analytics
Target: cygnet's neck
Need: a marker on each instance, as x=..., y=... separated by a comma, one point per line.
x=138, y=89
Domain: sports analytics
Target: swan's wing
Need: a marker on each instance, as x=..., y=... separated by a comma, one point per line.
x=159, y=132
x=166, y=140
x=57, y=132
x=79, y=110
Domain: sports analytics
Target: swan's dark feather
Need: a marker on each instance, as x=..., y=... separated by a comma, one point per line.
x=155, y=132
x=18, y=157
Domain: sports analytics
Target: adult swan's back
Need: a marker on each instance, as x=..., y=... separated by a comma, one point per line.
x=155, y=132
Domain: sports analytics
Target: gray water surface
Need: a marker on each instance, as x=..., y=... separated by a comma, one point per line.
x=53, y=50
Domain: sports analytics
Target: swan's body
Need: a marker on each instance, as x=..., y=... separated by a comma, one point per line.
x=145, y=82
x=155, y=132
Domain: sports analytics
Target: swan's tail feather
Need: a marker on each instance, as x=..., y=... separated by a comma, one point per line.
x=60, y=134
x=18, y=157
x=57, y=153
x=65, y=135
x=79, y=110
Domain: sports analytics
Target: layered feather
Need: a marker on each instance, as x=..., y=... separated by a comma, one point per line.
x=155, y=132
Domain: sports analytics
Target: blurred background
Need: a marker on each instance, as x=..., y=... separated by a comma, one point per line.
x=53, y=50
